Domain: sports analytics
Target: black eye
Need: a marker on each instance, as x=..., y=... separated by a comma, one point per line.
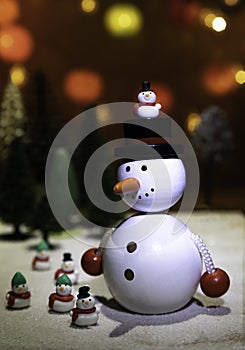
x=128, y=168
x=129, y=274
x=131, y=247
x=82, y=300
x=16, y=286
x=89, y=299
x=150, y=93
x=23, y=285
x=144, y=168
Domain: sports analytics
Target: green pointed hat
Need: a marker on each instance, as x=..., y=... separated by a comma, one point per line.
x=17, y=279
x=42, y=246
x=64, y=279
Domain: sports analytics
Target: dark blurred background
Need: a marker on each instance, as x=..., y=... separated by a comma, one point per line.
x=68, y=55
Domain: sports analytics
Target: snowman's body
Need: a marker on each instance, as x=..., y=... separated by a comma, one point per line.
x=63, y=306
x=151, y=265
x=84, y=320
x=41, y=261
x=19, y=297
x=20, y=303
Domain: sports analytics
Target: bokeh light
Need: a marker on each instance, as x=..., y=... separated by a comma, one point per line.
x=240, y=76
x=164, y=95
x=193, y=120
x=16, y=43
x=219, y=24
x=219, y=80
x=9, y=11
x=18, y=75
x=89, y=6
x=231, y=2
x=83, y=86
x=123, y=20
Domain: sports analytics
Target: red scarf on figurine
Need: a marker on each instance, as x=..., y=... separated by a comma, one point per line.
x=37, y=258
x=76, y=311
x=12, y=296
x=55, y=296
x=61, y=272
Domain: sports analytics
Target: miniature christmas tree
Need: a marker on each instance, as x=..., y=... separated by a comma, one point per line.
x=45, y=121
x=212, y=140
x=12, y=118
x=17, y=190
x=43, y=219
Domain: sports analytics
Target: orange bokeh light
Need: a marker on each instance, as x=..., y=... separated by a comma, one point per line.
x=16, y=43
x=83, y=86
x=164, y=95
x=219, y=80
x=9, y=11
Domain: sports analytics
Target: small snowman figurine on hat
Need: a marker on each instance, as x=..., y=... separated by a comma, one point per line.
x=41, y=260
x=67, y=267
x=153, y=249
x=147, y=106
x=19, y=297
x=62, y=300
x=86, y=313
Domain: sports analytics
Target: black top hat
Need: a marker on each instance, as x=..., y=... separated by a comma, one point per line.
x=83, y=292
x=67, y=257
x=145, y=130
x=145, y=86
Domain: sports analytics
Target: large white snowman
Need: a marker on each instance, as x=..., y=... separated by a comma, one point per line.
x=152, y=262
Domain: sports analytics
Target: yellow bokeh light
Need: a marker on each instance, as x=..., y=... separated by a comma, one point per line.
x=123, y=20
x=88, y=6
x=18, y=75
x=207, y=17
x=219, y=24
x=240, y=77
x=193, y=120
x=231, y=2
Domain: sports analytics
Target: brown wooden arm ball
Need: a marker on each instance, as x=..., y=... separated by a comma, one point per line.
x=215, y=284
x=91, y=262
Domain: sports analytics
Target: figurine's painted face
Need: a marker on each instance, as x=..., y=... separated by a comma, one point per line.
x=63, y=289
x=147, y=97
x=85, y=303
x=20, y=289
x=68, y=266
x=159, y=183
x=43, y=254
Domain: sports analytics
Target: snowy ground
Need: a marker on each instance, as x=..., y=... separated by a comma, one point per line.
x=206, y=324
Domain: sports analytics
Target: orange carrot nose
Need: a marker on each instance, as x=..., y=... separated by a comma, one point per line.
x=127, y=186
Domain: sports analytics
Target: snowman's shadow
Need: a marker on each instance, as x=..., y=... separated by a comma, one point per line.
x=128, y=320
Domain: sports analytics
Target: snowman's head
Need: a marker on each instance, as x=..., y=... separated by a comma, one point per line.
x=20, y=288
x=63, y=289
x=43, y=254
x=84, y=299
x=67, y=263
x=147, y=97
x=151, y=185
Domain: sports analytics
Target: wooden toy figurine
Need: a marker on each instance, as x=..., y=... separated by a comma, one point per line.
x=41, y=261
x=67, y=267
x=152, y=262
x=19, y=297
x=86, y=313
x=62, y=300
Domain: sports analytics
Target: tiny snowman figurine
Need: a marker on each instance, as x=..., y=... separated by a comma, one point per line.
x=152, y=262
x=147, y=106
x=67, y=267
x=19, y=297
x=41, y=260
x=86, y=313
x=62, y=300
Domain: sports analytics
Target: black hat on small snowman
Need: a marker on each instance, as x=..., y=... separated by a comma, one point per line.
x=83, y=292
x=67, y=257
x=145, y=86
